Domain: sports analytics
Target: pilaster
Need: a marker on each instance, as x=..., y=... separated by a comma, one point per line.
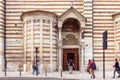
x=25, y=49
x=41, y=45
x=60, y=49
x=32, y=45
x=51, y=45
x=2, y=28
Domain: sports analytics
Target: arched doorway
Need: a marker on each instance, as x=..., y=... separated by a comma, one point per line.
x=70, y=42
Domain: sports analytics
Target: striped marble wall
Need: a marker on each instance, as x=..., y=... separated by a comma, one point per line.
x=116, y=17
x=102, y=20
x=98, y=14
x=88, y=31
x=15, y=30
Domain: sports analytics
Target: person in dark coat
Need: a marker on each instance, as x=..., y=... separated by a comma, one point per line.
x=68, y=63
x=117, y=68
x=34, y=68
x=71, y=65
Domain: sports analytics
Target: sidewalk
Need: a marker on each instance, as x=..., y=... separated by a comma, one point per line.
x=65, y=75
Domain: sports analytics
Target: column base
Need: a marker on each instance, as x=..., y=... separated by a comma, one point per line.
x=51, y=67
x=24, y=67
x=1, y=63
x=41, y=68
x=83, y=68
x=60, y=69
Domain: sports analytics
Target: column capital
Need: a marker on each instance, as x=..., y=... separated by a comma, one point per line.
x=60, y=29
x=60, y=43
x=59, y=24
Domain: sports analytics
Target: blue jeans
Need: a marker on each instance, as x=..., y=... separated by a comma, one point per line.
x=36, y=68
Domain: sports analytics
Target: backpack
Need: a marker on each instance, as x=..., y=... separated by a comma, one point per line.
x=94, y=66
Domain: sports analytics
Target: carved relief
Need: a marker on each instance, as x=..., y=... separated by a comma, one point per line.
x=70, y=39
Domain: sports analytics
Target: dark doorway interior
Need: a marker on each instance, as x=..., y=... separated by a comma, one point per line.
x=70, y=56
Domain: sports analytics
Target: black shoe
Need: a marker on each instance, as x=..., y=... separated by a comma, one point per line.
x=118, y=76
x=93, y=76
x=113, y=77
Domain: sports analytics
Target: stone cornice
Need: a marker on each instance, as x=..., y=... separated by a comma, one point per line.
x=116, y=16
x=37, y=13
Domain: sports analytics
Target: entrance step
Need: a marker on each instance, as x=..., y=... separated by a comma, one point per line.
x=83, y=69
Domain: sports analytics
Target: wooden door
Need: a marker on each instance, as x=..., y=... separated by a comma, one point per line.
x=73, y=54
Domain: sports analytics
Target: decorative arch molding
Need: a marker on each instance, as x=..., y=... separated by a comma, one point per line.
x=37, y=14
x=116, y=16
x=72, y=13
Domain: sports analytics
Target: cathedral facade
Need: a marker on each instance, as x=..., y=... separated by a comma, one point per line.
x=53, y=31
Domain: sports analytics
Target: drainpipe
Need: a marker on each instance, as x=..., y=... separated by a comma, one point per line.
x=5, y=60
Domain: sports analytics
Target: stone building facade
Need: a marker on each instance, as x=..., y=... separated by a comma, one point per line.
x=59, y=29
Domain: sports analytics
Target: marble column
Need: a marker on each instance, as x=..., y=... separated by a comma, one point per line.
x=51, y=45
x=32, y=43
x=41, y=45
x=25, y=49
x=60, y=49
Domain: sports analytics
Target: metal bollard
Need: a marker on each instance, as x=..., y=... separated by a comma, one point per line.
x=20, y=71
x=61, y=73
x=45, y=72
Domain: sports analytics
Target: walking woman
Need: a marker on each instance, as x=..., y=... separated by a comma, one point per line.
x=92, y=69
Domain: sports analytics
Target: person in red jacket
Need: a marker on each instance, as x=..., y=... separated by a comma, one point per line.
x=91, y=69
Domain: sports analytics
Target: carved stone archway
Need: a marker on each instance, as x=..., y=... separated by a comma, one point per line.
x=72, y=15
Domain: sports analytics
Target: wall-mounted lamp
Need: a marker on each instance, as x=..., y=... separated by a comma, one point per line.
x=82, y=40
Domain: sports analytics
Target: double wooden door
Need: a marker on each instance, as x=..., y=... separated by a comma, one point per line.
x=70, y=54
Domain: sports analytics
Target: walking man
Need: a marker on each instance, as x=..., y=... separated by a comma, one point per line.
x=71, y=65
x=117, y=68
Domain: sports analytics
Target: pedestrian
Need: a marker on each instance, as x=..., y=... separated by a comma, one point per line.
x=71, y=65
x=38, y=67
x=117, y=68
x=92, y=65
x=119, y=62
x=34, y=68
x=88, y=67
x=68, y=63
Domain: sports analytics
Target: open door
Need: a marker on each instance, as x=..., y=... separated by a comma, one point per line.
x=70, y=54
